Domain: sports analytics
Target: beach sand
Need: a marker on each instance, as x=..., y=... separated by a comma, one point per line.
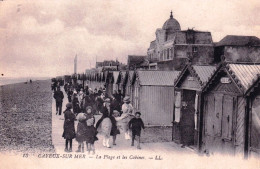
x=25, y=117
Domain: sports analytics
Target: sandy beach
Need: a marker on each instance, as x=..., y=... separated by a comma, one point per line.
x=25, y=115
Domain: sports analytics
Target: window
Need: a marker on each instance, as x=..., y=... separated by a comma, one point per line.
x=177, y=106
x=165, y=55
x=136, y=97
x=168, y=54
x=194, y=49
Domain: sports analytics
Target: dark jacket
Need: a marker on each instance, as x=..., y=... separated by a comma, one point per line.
x=136, y=124
x=187, y=117
x=68, y=126
x=105, y=113
x=115, y=105
x=58, y=96
x=75, y=105
x=114, y=130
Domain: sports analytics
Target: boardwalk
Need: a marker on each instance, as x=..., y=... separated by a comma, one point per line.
x=122, y=147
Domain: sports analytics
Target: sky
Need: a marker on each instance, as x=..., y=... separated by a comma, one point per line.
x=41, y=38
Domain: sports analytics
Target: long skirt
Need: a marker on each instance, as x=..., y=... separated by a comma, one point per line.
x=123, y=124
x=105, y=127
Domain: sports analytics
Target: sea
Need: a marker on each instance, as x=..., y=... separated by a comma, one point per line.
x=13, y=80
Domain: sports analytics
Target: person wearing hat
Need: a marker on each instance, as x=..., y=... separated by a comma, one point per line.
x=58, y=96
x=127, y=115
x=81, y=133
x=115, y=103
x=81, y=97
x=136, y=124
x=75, y=104
x=187, y=123
x=69, y=94
x=68, y=127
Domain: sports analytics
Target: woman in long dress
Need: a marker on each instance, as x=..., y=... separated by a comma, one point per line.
x=126, y=116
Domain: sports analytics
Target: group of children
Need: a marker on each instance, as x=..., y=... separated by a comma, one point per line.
x=86, y=132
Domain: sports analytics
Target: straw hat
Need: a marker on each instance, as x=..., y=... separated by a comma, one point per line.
x=126, y=99
x=107, y=100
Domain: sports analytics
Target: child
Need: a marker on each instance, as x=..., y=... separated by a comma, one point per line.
x=81, y=134
x=91, y=130
x=136, y=124
x=114, y=130
x=69, y=129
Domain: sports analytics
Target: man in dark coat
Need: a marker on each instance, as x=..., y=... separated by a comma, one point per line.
x=58, y=96
x=105, y=110
x=68, y=127
x=187, y=124
x=115, y=104
x=70, y=93
x=99, y=103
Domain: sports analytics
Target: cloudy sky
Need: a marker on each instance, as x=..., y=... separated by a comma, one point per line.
x=41, y=38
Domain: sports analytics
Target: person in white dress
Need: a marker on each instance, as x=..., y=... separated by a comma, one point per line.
x=127, y=115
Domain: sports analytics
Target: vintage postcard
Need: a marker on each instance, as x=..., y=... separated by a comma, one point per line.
x=130, y=84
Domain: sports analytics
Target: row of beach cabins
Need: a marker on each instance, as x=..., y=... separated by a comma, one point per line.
x=226, y=99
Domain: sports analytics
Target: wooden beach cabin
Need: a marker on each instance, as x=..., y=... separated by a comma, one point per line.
x=188, y=88
x=115, y=81
x=153, y=96
x=253, y=120
x=100, y=82
x=225, y=106
x=112, y=82
x=120, y=82
x=128, y=84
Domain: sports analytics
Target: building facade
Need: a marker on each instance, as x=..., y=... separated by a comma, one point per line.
x=173, y=47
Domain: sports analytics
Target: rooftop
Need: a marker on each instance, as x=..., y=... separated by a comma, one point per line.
x=234, y=40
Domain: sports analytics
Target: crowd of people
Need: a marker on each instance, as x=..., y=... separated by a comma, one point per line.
x=83, y=104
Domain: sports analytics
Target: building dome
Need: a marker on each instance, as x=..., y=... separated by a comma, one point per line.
x=171, y=25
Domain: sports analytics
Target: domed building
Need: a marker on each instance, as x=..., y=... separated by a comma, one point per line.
x=173, y=47
x=171, y=26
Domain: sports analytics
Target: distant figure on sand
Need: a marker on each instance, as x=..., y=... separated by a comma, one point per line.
x=58, y=96
x=69, y=129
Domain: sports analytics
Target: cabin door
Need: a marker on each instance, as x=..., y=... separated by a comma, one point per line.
x=136, y=97
x=187, y=123
x=219, y=123
x=255, y=128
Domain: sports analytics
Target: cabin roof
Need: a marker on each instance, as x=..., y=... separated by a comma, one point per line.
x=136, y=61
x=233, y=40
x=202, y=73
x=115, y=76
x=157, y=78
x=246, y=74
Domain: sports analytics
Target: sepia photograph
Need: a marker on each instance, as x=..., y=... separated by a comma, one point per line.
x=130, y=84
